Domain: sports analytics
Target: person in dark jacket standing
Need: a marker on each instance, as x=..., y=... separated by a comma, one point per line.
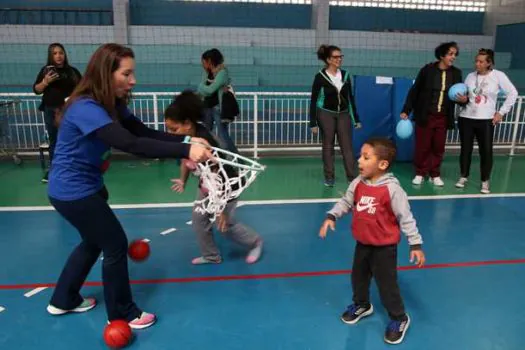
x=333, y=110
x=433, y=111
x=56, y=81
x=215, y=81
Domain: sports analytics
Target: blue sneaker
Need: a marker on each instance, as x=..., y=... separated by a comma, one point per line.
x=395, y=332
x=355, y=312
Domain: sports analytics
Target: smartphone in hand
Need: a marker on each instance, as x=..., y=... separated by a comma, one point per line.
x=49, y=69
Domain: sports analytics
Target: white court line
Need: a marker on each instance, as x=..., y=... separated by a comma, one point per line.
x=34, y=291
x=168, y=231
x=188, y=222
x=273, y=201
x=2, y=308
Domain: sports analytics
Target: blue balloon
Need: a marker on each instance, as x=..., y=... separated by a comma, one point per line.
x=457, y=89
x=404, y=129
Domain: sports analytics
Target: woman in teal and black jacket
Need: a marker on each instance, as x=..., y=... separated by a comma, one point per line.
x=333, y=110
x=215, y=80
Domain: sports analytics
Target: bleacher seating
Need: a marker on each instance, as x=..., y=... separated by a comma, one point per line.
x=256, y=68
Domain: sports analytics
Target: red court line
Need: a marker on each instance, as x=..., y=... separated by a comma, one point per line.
x=272, y=275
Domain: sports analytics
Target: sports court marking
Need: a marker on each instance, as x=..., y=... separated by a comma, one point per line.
x=38, y=287
x=34, y=291
x=270, y=202
x=2, y=309
x=42, y=286
x=168, y=231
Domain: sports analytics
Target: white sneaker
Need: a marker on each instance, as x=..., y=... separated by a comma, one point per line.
x=485, y=189
x=461, y=182
x=255, y=253
x=86, y=305
x=418, y=180
x=145, y=320
x=437, y=181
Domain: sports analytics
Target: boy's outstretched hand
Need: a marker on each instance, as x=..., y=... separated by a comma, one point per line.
x=326, y=224
x=417, y=257
x=178, y=185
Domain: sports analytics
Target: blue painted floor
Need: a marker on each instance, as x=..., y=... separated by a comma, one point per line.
x=451, y=306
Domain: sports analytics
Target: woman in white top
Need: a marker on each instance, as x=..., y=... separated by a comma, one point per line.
x=478, y=118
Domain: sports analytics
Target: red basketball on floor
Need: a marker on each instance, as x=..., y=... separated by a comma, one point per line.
x=117, y=334
x=138, y=250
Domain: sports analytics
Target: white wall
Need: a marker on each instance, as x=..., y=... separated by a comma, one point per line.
x=46, y=34
x=299, y=38
x=222, y=36
x=406, y=41
x=150, y=35
x=503, y=12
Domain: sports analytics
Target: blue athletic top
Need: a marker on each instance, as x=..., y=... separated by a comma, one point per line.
x=80, y=157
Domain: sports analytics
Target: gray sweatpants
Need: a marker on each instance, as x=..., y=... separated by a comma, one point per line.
x=236, y=231
x=340, y=124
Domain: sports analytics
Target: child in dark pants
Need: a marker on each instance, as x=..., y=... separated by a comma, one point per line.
x=181, y=119
x=380, y=212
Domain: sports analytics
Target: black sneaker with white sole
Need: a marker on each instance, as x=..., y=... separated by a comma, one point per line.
x=395, y=332
x=45, y=178
x=356, y=312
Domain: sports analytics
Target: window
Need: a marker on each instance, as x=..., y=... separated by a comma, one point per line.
x=437, y=5
x=295, y=2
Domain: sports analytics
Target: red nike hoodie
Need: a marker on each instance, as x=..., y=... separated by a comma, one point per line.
x=380, y=212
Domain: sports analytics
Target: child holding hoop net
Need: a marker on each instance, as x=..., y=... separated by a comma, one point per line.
x=220, y=184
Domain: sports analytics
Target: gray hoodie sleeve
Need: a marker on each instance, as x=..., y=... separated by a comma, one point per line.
x=401, y=209
x=345, y=204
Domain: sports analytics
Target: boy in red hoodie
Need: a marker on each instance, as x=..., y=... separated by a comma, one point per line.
x=380, y=212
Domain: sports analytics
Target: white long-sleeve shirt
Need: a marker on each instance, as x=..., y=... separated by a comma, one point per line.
x=483, y=95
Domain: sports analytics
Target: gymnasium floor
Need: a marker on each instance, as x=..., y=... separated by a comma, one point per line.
x=469, y=296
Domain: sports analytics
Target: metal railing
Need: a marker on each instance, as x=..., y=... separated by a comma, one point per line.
x=269, y=121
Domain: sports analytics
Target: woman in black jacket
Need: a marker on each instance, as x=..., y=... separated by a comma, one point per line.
x=433, y=111
x=332, y=108
x=56, y=81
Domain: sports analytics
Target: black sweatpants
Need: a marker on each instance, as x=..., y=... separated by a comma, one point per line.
x=381, y=263
x=100, y=231
x=483, y=132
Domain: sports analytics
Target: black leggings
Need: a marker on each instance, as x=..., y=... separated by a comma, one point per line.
x=483, y=131
x=100, y=231
x=52, y=130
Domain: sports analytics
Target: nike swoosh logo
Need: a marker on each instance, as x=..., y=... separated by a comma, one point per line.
x=360, y=207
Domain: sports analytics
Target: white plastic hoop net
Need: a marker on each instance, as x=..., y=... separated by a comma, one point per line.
x=221, y=186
